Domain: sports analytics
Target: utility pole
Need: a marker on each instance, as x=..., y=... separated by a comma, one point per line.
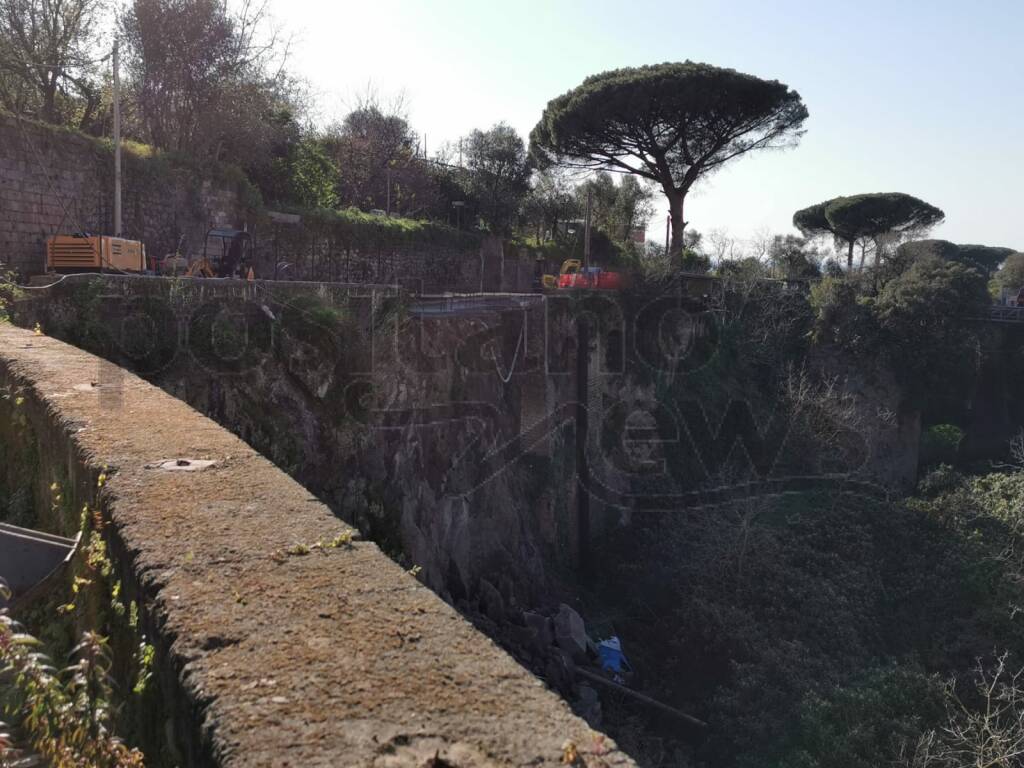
x=117, y=141
x=586, y=230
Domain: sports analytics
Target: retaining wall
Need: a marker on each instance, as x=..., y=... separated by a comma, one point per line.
x=55, y=181
x=58, y=181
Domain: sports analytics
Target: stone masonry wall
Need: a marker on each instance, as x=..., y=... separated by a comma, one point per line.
x=54, y=181
x=314, y=250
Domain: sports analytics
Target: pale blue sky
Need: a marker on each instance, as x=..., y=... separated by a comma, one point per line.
x=905, y=95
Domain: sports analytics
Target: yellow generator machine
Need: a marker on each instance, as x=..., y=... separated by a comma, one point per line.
x=78, y=253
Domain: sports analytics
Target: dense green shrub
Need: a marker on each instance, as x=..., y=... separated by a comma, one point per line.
x=926, y=338
x=982, y=258
x=1010, y=275
x=742, y=269
x=358, y=230
x=9, y=292
x=67, y=715
x=940, y=480
x=939, y=444
x=865, y=723
x=604, y=251
x=816, y=629
x=843, y=316
x=694, y=262
x=917, y=323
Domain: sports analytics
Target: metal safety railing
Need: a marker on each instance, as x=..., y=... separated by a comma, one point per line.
x=1000, y=313
x=29, y=559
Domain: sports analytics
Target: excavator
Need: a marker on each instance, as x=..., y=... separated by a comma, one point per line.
x=233, y=256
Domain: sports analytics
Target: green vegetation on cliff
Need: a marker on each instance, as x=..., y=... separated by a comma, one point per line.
x=822, y=629
x=833, y=626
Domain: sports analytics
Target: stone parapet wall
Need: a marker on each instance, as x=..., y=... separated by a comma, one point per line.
x=270, y=650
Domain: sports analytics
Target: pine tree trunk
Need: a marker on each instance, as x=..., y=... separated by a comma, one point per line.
x=675, y=204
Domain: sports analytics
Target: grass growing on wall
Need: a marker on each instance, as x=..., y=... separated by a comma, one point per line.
x=360, y=229
x=143, y=163
x=354, y=246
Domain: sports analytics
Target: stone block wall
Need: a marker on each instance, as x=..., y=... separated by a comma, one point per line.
x=324, y=251
x=54, y=181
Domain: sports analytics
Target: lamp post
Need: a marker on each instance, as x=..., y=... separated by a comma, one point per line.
x=586, y=231
x=117, y=140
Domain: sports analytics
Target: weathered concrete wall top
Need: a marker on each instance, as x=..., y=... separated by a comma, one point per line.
x=330, y=658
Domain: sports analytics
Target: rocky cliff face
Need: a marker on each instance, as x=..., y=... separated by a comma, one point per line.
x=451, y=438
x=888, y=432
x=995, y=411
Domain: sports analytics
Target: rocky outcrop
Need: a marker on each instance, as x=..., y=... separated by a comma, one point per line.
x=995, y=411
x=887, y=433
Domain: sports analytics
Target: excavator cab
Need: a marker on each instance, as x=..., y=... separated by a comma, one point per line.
x=225, y=254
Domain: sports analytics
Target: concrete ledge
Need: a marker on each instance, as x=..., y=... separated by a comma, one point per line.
x=333, y=658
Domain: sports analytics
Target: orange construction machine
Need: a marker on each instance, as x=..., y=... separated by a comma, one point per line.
x=81, y=253
x=574, y=275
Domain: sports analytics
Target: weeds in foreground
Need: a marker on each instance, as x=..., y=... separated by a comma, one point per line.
x=60, y=718
x=9, y=292
x=67, y=717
